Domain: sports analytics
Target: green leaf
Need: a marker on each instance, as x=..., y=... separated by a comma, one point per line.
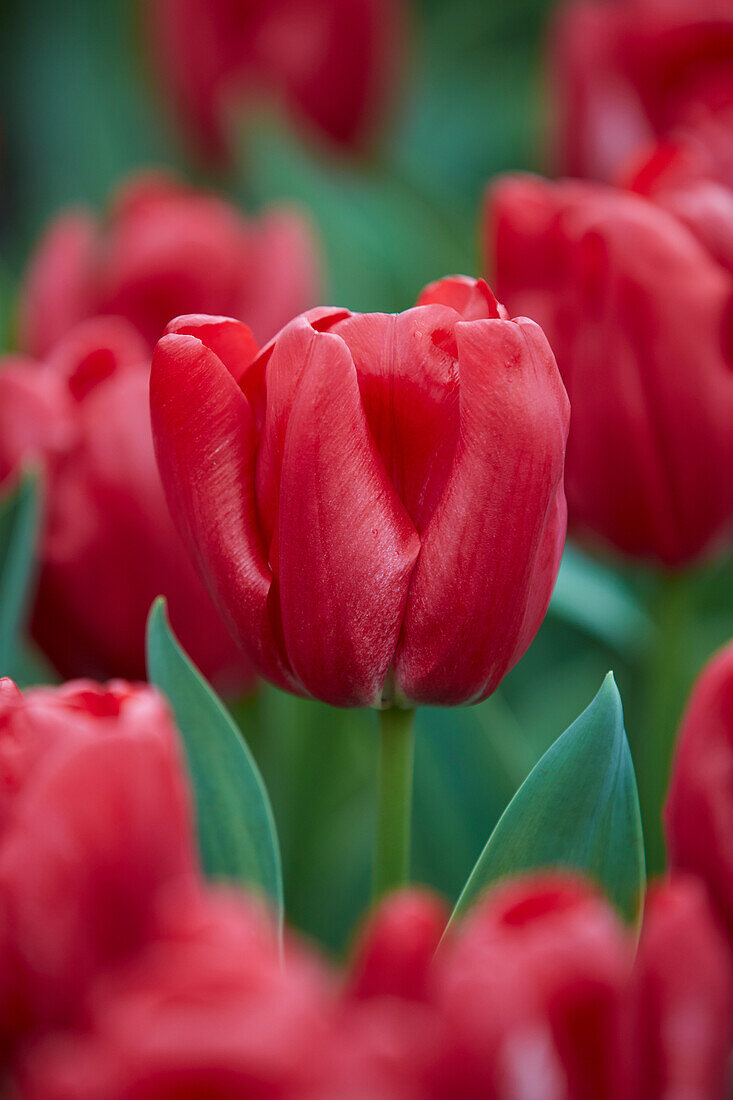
x=236, y=829
x=19, y=524
x=578, y=808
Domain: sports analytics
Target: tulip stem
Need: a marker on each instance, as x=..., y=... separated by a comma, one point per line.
x=394, y=810
x=667, y=682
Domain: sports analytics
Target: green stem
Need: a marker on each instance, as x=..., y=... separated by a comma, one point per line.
x=667, y=681
x=394, y=810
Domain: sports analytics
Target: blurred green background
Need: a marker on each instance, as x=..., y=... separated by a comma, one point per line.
x=78, y=110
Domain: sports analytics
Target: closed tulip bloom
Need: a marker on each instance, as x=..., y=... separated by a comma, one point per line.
x=637, y=310
x=628, y=72
x=108, y=545
x=682, y=996
x=167, y=249
x=531, y=993
x=330, y=63
x=699, y=809
x=95, y=821
x=375, y=501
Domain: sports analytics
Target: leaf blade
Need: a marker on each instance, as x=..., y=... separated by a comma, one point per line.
x=20, y=515
x=236, y=827
x=578, y=808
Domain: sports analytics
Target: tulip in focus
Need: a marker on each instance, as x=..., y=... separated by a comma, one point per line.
x=375, y=501
x=167, y=249
x=95, y=821
x=331, y=63
x=108, y=545
x=635, y=302
x=629, y=72
x=699, y=809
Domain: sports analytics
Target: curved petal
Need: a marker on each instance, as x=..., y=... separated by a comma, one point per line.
x=229, y=339
x=205, y=438
x=346, y=546
x=472, y=298
x=472, y=600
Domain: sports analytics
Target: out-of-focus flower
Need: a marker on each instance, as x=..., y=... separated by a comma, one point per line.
x=109, y=546
x=94, y=823
x=637, y=311
x=207, y=1008
x=168, y=249
x=331, y=63
x=376, y=501
x=629, y=72
x=699, y=810
x=681, y=1017
x=530, y=992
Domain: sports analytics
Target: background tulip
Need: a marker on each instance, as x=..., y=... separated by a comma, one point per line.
x=699, y=809
x=83, y=414
x=330, y=61
x=629, y=72
x=166, y=249
x=636, y=310
x=386, y=490
x=78, y=891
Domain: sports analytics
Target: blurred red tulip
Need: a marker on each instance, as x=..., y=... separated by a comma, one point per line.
x=168, y=249
x=108, y=546
x=682, y=997
x=376, y=501
x=638, y=314
x=94, y=822
x=332, y=63
x=629, y=72
x=530, y=991
x=699, y=810
x=206, y=1009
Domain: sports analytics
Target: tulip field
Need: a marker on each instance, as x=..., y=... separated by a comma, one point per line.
x=366, y=550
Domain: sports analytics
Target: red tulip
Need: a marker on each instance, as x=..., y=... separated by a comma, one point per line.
x=699, y=810
x=108, y=546
x=205, y=1009
x=94, y=823
x=682, y=997
x=531, y=991
x=168, y=249
x=628, y=72
x=375, y=501
x=637, y=312
x=330, y=62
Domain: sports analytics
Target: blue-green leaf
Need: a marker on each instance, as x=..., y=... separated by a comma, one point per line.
x=578, y=808
x=236, y=828
x=19, y=524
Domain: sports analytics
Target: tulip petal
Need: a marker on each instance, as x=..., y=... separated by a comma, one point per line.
x=473, y=603
x=346, y=545
x=230, y=340
x=205, y=439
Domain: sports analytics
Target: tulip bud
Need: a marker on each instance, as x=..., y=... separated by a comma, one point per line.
x=636, y=311
x=330, y=63
x=375, y=501
x=626, y=73
x=94, y=822
x=108, y=546
x=682, y=997
x=699, y=809
x=167, y=249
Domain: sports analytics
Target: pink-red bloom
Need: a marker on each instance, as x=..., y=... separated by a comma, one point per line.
x=330, y=63
x=94, y=823
x=699, y=809
x=375, y=501
x=167, y=249
x=108, y=545
x=681, y=1017
x=626, y=73
x=635, y=302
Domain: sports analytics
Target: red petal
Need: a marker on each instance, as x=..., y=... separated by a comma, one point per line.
x=485, y=572
x=346, y=546
x=229, y=339
x=205, y=439
x=472, y=298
